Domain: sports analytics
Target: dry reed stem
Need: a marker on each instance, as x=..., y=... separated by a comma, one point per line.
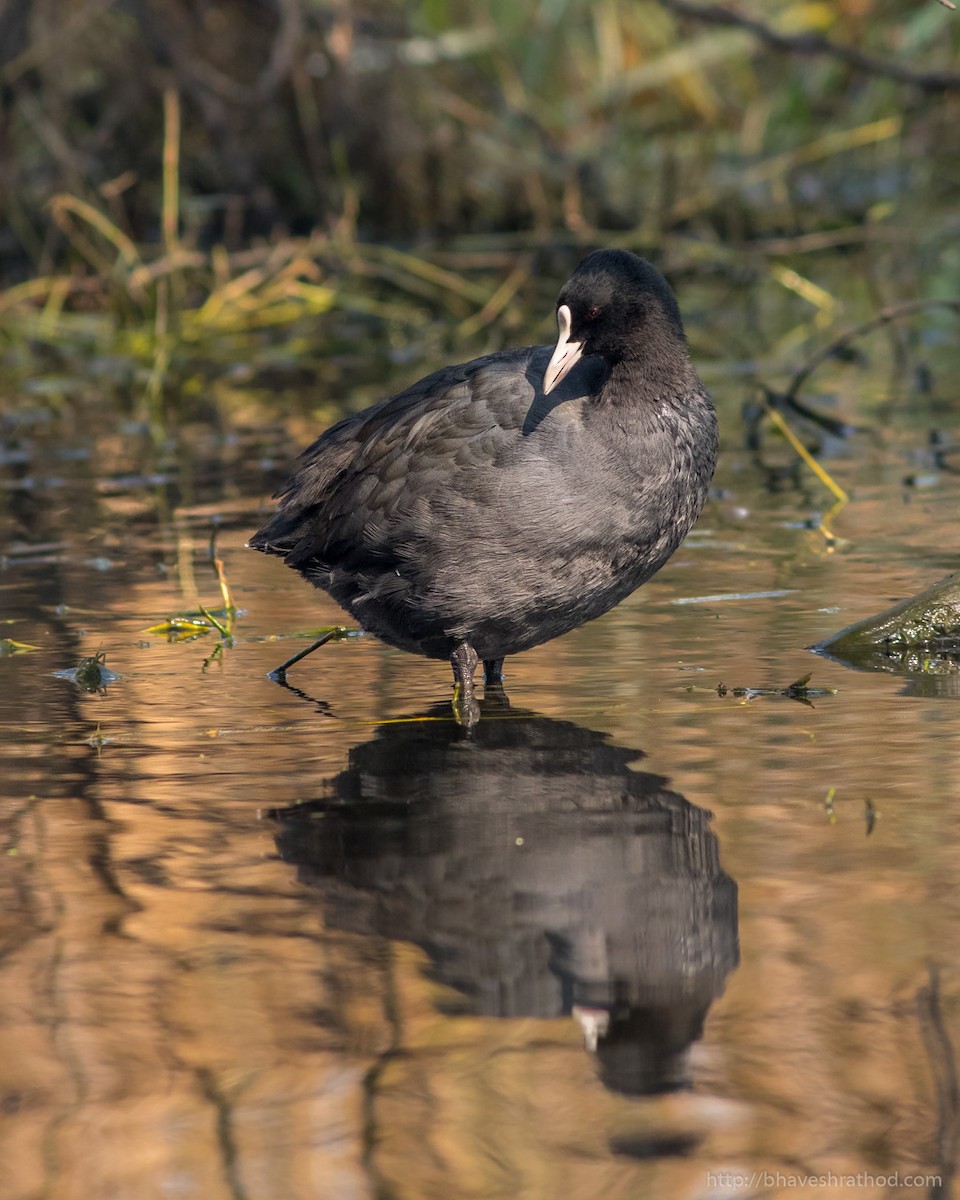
x=170, y=212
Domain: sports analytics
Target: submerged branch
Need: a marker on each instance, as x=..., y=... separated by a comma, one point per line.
x=892, y=313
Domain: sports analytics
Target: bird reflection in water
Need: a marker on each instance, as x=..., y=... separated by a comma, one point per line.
x=541, y=874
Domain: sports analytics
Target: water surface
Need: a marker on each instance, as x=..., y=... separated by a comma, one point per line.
x=635, y=935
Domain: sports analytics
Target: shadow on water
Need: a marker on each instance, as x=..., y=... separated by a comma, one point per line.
x=542, y=875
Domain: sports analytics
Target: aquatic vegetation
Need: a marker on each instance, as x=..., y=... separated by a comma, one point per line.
x=91, y=674
x=799, y=690
x=413, y=166
x=10, y=646
x=188, y=626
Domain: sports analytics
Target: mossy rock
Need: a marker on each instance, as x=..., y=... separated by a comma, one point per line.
x=920, y=634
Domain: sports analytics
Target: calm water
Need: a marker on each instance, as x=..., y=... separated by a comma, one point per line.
x=630, y=937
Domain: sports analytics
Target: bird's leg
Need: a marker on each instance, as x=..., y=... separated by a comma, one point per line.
x=493, y=694
x=493, y=670
x=464, y=661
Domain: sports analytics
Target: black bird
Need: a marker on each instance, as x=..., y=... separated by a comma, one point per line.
x=500, y=503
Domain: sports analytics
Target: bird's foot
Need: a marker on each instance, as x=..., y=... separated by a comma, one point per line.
x=466, y=708
x=464, y=661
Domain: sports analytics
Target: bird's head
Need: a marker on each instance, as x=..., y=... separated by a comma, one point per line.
x=617, y=306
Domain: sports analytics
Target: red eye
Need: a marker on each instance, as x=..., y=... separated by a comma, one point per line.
x=593, y=313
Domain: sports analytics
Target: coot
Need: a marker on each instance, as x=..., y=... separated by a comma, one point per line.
x=500, y=503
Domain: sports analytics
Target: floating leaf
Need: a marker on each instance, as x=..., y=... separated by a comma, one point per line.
x=180, y=629
x=339, y=631
x=9, y=646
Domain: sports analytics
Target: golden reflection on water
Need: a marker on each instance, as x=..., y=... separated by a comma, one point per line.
x=258, y=945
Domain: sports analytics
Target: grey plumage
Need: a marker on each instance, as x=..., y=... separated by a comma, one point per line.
x=474, y=508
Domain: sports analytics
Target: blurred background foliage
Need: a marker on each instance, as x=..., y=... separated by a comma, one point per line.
x=178, y=176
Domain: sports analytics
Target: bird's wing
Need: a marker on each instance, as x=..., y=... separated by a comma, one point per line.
x=363, y=476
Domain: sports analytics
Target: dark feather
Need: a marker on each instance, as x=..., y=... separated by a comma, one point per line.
x=472, y=507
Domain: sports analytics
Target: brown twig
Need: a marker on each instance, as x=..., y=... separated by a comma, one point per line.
x=170, y=209
x=815, y=43
x=893, y=313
